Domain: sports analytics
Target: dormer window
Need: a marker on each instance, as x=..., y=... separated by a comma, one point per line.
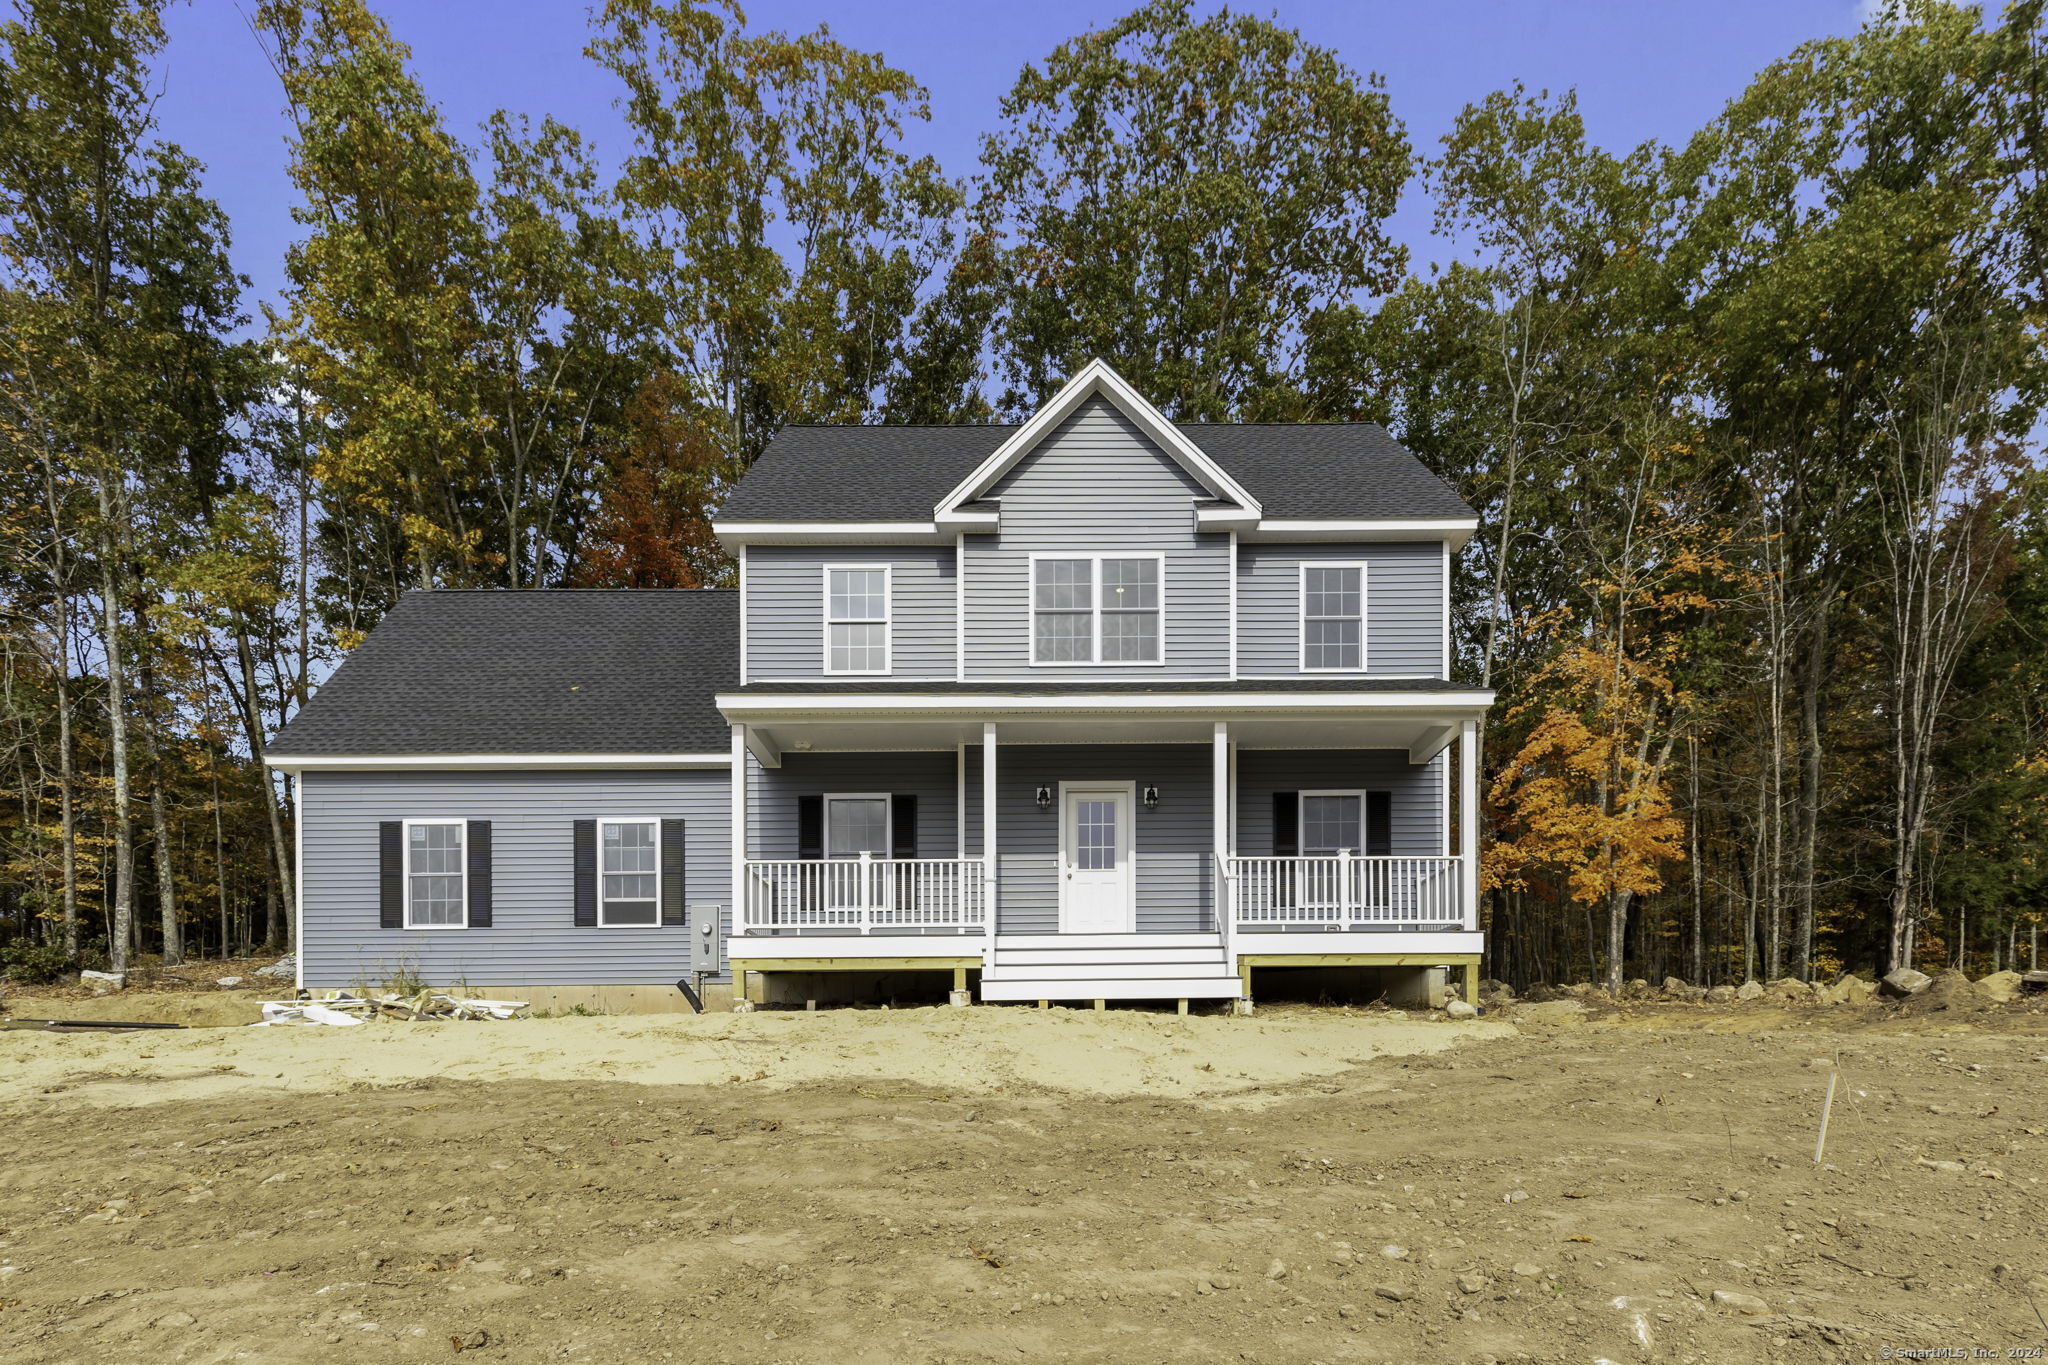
x=857, y=619
x=1095, y=610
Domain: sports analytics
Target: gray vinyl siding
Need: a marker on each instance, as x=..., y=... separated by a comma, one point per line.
x=786, y=609
x=1174, y=846
x=1097, y=485
x=772, y=795
x=1418, y=792
x=1404, y=606
x=533, y=940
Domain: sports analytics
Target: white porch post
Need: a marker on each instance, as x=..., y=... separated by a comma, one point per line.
x=1219, y=820
x=1468, y=820
x=738, y=787
x=988, y=841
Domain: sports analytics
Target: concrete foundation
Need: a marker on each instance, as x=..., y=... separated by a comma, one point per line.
x=650, y=999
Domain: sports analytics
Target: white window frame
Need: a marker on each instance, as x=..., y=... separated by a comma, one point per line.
x=461, y=861
x=1095, y=659
x=1301, y=612
x=888, y=824
x=887, y=621
x=604, y=820
x=1362, y=793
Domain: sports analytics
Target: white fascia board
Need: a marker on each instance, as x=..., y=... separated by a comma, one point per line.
x=733, y=534
x=970, y=521
x=298, y=763
x=1456, y=533
x=1097, y=378
x=820, y=706
x=1225, y=519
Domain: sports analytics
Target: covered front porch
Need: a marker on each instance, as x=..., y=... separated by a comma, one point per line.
x=1135, y=847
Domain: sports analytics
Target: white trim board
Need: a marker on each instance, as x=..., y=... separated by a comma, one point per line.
x=788, y=704
x=308, y=763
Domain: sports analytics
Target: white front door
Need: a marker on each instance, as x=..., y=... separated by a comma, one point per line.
x=1096, y=877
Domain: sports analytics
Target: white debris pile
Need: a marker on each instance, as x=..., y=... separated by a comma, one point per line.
x=346, y=1009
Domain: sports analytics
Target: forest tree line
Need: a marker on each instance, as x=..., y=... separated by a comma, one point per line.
x=1753, y=422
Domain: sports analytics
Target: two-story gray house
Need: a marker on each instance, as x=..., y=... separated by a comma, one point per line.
x=1098, y=707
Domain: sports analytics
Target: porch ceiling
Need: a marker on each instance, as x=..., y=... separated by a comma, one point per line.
x=1422, y=724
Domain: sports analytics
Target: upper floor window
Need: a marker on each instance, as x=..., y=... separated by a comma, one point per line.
x=1332, y=617
x=436, y=889
x=857, y=619
x=1096, y=610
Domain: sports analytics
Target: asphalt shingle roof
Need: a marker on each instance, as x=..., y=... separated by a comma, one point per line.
x=632, y=671
x=1297, y=470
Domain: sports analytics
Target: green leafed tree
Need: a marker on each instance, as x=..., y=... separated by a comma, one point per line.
x=1193, y=200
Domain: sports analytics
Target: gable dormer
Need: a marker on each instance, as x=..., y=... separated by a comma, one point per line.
x=1097, y=390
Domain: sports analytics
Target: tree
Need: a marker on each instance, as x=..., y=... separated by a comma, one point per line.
x=1194, y=201
x=785, y=237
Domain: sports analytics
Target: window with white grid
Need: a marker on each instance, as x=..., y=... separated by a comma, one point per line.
x=1095, y=610
x=1332, y=617
x=857, y=620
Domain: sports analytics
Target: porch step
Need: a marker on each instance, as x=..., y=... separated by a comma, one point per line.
x=1030, y=958
x=1007, y=943
x=1109, y=967
x=1115, y=988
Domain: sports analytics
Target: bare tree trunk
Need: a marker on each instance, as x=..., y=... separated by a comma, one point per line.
x=166, y=877
x=252, y=719
x=122, y=910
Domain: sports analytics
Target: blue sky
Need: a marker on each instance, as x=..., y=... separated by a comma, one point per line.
x=1643, y=69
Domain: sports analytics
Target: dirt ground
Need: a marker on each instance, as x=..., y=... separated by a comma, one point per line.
x=1310, y=1184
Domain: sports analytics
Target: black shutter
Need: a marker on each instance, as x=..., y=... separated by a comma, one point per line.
x=479, y=841
x=1379, y=824
x=586, y=874
x=810, y=827
x=903, y=825
x=1286, y=824
x=672, y=872
x=391, y=874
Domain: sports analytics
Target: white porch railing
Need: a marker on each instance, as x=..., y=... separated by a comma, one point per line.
x=1347, y=891
x=864, y=894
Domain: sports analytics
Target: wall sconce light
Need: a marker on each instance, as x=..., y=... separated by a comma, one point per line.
x=1151, y=798
x=1044, y=797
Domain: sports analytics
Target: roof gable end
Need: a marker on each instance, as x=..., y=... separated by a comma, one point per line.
x=1097, y=380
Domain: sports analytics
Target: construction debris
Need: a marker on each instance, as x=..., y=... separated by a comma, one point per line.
x=346, y=1009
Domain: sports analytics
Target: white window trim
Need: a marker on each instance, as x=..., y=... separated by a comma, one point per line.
x=888, y=824
x=604, y=820
x=888, y=621
x=1362, y=793
x=1094, y=611
x=462, y=861
x=1301, y=612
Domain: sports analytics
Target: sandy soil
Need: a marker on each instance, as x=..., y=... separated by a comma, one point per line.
x=1000, y=1184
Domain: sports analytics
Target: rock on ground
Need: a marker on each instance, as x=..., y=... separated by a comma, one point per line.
x=2000, y=987
x=1749, y=990
x=1905, y=981
x=1548, y=1012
